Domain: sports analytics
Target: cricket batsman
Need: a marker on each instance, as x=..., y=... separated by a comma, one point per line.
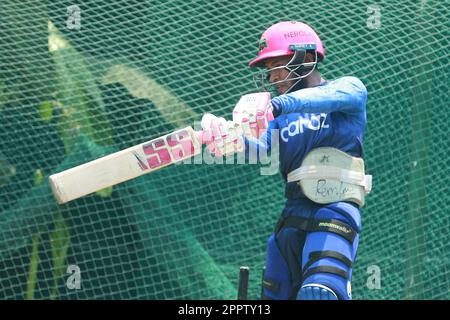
x=320, y=128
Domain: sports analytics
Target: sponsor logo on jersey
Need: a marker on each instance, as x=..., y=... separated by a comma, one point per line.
x=308, y=121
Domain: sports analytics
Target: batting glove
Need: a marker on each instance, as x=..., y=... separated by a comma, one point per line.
x=254, y=119
x=222, y=137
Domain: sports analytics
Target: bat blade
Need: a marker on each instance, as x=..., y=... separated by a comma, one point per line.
x=124, y=165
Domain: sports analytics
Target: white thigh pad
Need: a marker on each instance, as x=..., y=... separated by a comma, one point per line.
x=330, y=175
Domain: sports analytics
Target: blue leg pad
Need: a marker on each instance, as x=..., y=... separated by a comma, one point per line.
x=333, y=269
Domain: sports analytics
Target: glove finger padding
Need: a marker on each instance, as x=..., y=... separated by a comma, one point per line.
x=224, y=137
x=253, y=112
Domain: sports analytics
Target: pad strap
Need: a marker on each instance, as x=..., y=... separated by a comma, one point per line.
x=271, y=285
x=317, y=225
x=317, y=255
x=326, y=269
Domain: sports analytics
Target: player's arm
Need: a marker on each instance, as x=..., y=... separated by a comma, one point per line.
x=348, y=95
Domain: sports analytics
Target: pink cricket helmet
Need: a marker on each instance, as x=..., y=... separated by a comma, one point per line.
x=277, y=39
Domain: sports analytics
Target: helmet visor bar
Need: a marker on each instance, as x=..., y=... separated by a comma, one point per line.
x=298, y=70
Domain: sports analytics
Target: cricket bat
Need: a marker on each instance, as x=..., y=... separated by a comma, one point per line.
x=135, y=161
x=125, y=165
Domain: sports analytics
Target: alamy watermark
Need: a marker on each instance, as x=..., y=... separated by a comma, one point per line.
x=374, y=279
x=265, y=151
x=254, y=153
x=74, y=280
x=73, y=17
x=374, y=20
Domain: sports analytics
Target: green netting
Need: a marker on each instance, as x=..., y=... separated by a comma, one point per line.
x=136, y=70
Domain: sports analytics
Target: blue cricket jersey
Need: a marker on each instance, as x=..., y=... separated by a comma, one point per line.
x=330, y=115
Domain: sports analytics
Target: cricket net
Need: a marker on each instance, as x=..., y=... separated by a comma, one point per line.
x=77, y=87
